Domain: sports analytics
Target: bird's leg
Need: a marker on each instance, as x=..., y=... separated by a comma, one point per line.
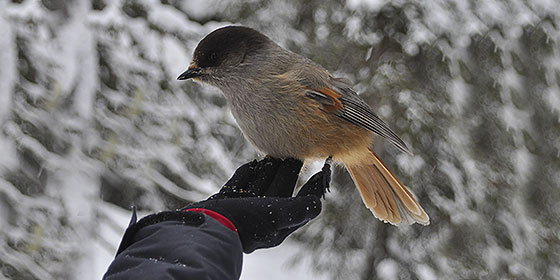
x=326, y=169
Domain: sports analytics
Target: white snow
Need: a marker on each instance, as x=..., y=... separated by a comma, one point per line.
x=426, y=272
x=370, y=5
x=171, y=20
x=411, y=164
x=515, y=118
x=200, y=8
x=387, y=269
x=171, y=127
x=523, y=161
x=272, y=264
x=174, y=56
x=553, y=98
x=8, y=69
x=458, y=92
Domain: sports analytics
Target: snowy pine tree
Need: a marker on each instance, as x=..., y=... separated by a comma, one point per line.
x=92, y=121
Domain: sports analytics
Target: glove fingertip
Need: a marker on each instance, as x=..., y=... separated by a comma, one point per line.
x=315, y=207
x=326, y=178
x=316, y=185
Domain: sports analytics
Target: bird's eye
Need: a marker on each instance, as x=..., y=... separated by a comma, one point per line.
x=213, y=57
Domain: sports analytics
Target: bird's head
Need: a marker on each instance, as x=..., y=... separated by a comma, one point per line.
x=225, y=51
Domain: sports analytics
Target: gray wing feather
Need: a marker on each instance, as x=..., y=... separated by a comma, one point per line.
x=357, y=111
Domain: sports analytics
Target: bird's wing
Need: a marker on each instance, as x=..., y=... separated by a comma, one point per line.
x=343, y=102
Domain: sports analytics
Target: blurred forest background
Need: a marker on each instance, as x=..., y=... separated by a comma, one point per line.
x=93, y=121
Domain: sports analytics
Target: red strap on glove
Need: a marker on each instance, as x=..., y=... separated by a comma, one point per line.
x=217, y=216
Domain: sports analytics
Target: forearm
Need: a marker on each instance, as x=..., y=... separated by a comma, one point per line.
x=179, y=248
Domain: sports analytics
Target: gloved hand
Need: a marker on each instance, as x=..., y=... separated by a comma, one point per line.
x=258, y=201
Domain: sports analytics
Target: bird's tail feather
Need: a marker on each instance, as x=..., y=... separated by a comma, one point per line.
x=385, y=195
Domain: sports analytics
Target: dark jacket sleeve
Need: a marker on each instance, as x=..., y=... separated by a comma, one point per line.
x=177, y=245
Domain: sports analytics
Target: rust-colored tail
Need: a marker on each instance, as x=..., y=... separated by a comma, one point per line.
x=385, y=195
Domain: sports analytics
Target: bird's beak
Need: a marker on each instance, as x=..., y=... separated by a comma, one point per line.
x=192, y=72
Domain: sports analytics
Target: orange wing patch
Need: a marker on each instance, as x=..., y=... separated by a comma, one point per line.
x=334, y=96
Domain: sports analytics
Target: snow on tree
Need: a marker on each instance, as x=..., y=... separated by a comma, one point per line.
x=92, y=121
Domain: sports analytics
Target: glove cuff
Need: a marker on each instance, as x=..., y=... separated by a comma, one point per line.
x=217, y=216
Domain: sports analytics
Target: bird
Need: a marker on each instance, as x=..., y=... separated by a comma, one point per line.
x=289, y=106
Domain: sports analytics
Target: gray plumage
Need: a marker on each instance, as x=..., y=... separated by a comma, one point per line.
x=288, y=106
x=246, y=77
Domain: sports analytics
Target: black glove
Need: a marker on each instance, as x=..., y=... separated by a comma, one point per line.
x=258, y=201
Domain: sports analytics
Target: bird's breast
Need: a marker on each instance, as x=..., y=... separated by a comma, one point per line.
x=269, y=123
x=295, y=126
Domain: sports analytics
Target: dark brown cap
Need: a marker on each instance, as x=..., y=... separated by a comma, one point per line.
x=226, y=43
